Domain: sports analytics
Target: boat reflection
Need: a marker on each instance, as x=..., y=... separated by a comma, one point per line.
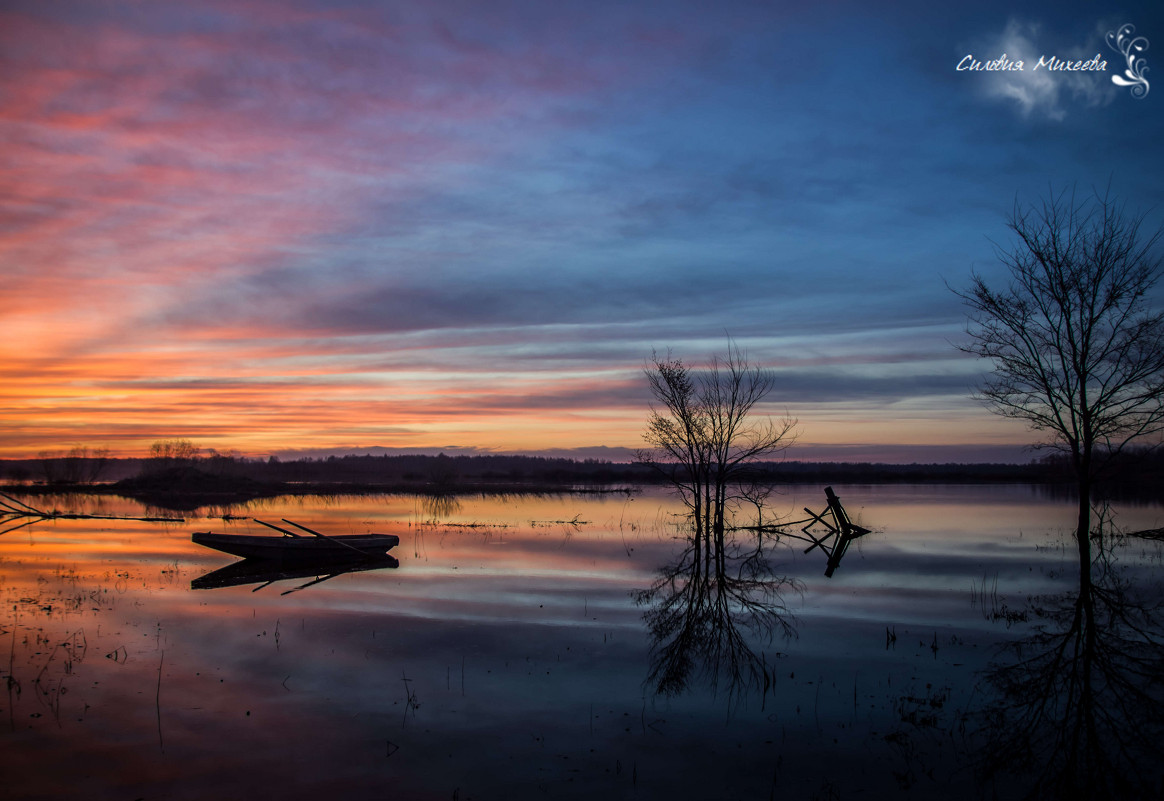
x=264, y=572
x=1078, y=710
x=711, y=608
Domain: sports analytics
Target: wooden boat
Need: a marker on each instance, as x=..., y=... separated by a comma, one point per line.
x=294, y=547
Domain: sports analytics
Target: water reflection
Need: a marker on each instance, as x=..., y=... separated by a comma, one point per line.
x=723, y=596
x=264, y=572
x=16, y=514
x=1078, y=710
x=438, y=506
x=511, y=628
x=710, y=608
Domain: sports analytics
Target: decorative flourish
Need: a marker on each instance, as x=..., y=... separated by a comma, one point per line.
x=1123, y=41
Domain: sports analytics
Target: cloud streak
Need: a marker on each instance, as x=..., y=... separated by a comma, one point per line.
x=278, y=226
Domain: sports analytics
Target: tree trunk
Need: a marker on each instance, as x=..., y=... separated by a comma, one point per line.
x=1083, y=532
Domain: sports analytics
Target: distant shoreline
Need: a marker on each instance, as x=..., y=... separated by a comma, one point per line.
x=221, y=480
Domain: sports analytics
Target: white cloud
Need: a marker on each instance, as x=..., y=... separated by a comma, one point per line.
x=1035, y=90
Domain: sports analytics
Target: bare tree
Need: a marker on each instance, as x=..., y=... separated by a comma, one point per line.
x=1078, y=350
x=166, y=454
x=50, y=466
x=705, y=430
x=80, y=466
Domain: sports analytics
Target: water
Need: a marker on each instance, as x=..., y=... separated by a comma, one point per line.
x=506, y=656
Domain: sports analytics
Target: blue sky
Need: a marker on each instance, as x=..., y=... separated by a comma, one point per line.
x=312, y=227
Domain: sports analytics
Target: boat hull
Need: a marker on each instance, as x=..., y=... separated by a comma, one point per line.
x=297, y=549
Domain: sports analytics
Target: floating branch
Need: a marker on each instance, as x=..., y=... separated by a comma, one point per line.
x=19, y=507
x=576, y=522
x=12, y=510
x=840, y=531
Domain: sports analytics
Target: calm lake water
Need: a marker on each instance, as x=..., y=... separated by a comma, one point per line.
x=508, y=657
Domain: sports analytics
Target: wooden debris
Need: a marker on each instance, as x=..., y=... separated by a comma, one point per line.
x=840, y=531
x=13, y=510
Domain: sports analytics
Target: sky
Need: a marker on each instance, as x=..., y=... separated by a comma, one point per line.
x=308, y=227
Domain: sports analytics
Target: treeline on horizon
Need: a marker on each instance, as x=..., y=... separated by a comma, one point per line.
x=424, y=472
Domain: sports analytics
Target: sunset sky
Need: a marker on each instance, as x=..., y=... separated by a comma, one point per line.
x=313, y=227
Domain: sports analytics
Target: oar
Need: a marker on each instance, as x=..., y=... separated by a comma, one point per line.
x=324, y=536
x=268, y=525
x=313, y=582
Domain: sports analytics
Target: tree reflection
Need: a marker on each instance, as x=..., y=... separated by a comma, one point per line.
x=711, y=608
x=1079, y=706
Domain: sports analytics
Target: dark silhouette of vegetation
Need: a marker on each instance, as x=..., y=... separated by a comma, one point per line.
x=1134, y=473
x=187, y=488
x=1077, y=350
x=77, y=466
x=169, y=454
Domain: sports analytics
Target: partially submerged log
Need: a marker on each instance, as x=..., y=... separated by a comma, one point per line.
x=840, y=530
x=13, y=510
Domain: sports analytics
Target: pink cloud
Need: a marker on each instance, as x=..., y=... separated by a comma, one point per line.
x=184, y=187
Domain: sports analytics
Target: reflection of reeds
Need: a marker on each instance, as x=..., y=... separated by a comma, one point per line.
x=158, y=701
x=49, y=683
x=410, y=700
x=13, y=684
x=984, y=596
x=978, y=592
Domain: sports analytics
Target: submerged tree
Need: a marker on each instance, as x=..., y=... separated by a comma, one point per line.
x=1078, y=705
x=1078, y=350
x=705, y=431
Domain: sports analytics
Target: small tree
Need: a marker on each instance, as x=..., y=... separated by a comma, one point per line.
x=172, y=453
x=704, y=432
x=1078, y=351
x=50, y=466
x=80, y=466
